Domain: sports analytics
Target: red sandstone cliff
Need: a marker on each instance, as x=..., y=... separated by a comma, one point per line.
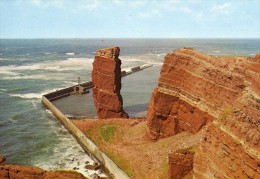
x=106, y=77
x=231, y=147
x=176, y=103
x=22, y=172
x=195, y=89
x=180, y=164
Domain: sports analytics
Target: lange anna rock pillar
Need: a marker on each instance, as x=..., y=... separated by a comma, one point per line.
x=106, y=77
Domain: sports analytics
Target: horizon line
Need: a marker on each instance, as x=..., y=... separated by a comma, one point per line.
x=86, y=38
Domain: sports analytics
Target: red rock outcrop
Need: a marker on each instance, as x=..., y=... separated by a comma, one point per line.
x=224, y=92
x=231, y=147
x=17, y=172
x=106, y=77
x=176, y=103
x=180, y=164
x=2, y=160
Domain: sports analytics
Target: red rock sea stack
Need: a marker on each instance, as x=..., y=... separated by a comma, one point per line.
x=106, y=77
x=222, y=93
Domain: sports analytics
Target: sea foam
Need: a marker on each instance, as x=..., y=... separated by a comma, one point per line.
x=59, y=65
x=70, y=53
x=27, y=96
x=31, y=95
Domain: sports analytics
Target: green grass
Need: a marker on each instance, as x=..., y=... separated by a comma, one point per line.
x=226, y=113
x=121, y=162
x=107, y=133
x=165, y=165
x=194, y=149
x=89, y=133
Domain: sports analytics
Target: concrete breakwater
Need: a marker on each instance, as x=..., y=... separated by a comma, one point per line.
x=84, y=141
x=65, y=92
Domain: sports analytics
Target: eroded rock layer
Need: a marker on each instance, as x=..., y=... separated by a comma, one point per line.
x=16, y=172
x=180, y=164
x=177, y=102
x=195, y=89
x=106, y=77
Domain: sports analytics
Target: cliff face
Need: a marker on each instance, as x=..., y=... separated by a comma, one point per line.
x=177, y=103
x=231, y=147
x=106, y=77
x=195, y=89
x=180, y=164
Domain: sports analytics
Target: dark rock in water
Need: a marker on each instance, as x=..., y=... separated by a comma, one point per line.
x=106, y=77
x=75, y=168
x=96, y=166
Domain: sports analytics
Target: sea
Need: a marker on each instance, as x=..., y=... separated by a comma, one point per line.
x=30, y=134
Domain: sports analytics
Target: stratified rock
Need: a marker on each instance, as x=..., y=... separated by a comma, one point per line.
x=106, y=77
x=231, y=147
x=176, y=104
x=180, y=164
x=195, y=89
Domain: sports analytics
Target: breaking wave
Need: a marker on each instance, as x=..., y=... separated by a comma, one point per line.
x=70, y=53
x=67, y=155
x=28, y=95
x=59, y=65
x=31, y=95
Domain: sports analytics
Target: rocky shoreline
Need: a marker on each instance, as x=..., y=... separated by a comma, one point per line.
x=8, y=171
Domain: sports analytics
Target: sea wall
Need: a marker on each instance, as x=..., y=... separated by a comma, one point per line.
x=58, y=94
x=86, y=143
x=65, y=92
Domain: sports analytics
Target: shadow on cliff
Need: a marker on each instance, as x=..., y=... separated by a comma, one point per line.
x=135, y=109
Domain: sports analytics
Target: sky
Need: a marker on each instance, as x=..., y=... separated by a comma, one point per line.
x=129, y=18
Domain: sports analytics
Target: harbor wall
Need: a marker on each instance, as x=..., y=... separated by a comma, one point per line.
x=86, y=143
x=109, y=165
x=65, y=92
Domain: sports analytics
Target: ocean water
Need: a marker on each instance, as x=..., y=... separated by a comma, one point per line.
x=30, y=135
